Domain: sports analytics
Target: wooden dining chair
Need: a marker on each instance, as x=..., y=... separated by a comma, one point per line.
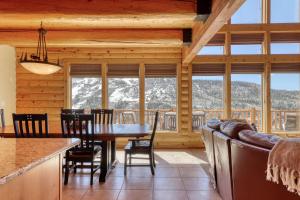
x=72, y=111
x=2, y=117
x=87, y=151
x=103, y=116
x=30, y=125
x=141, y=146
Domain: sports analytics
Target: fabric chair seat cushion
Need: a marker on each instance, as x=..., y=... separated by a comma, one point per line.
x=84, y=151
x=259, y=139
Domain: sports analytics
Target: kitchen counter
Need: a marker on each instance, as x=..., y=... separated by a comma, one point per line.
x=19, y=158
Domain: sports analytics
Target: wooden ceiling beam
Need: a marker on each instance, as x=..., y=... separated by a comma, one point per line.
x=58, y=14
x=95, y=38
x=222, y=10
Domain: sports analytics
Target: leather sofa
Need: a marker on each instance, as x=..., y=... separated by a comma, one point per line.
x=238, y=157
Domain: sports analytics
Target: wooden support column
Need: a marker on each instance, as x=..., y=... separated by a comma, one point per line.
x=67, y=86
x=227, y=78
x=185, y=100
x=104, y=86
x=142, y=92
x=227, y=91
x=267, y=115
x=178, y=96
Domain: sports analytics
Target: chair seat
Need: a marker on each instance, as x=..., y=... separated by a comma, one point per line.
x=80, y=152
x=138, y=146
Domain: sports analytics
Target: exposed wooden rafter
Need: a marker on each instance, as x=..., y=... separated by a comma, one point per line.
x=96, y=38
x=222, y=10
x=82, y=14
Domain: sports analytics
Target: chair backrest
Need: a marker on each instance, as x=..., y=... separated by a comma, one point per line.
x=30, y=125
x=72, y=111
x=87, y=130
x=68, y=124
x=103, y=116
x=154, y=128
x=2, y=117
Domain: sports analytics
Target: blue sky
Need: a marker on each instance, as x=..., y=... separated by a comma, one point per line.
x=282, y=11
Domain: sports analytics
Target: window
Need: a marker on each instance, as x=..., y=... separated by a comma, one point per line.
x=285, y=97
x=246, y=95
x=86, y=92
x=243, y=49
x=86, y=86
x=207, y=99
x=285, y=48
x=287, y=11
x=212, y=50
x=161, y=95
x=207, y=93
x=123, y=92
x=249, y=13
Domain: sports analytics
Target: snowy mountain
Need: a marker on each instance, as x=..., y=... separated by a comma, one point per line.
x=161, y=93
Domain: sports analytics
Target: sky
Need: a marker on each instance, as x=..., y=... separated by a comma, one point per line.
x=282, y=11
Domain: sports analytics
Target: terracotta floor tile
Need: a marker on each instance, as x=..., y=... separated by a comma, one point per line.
x=101, y=194
x=168, y=184
x=167, y=172
x=169, y=195
x=142, y=172
x=134, y=183
x=73, y=194
x=111, y=183
x=193, y=172
x=203, y=195
x=197, y=184
x=135, y=195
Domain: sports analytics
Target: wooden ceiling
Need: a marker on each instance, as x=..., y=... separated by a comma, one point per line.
x=113, y=23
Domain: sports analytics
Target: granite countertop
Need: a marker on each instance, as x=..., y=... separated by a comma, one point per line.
x=20, y=155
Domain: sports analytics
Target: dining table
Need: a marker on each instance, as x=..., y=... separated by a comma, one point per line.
x=106, y=133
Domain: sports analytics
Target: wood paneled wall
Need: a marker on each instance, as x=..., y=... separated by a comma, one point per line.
x=40, y=94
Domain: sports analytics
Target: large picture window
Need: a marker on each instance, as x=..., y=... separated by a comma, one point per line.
x=207, y=93
x=161, y=95
x=285, y=97
x=246, y=93
x=86, y=92
x=86, y=86
x=123, y=92
x=207, y=99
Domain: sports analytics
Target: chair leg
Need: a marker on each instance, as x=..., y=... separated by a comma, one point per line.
x=92, y=173
x=153, y=158
x=125, y=164
x=130, y=158
x=151, y=163
x=66, y=172
x=75, y=168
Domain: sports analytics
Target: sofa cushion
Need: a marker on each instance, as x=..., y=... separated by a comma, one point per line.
x=259, y=139
x=232, y=128
x=214, y=124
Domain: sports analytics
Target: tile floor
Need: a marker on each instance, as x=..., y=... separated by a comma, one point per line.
x=180, y=175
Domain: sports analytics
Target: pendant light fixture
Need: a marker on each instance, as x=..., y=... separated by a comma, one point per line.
x=38, y=63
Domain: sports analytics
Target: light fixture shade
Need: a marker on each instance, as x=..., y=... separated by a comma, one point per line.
x=41, y=68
